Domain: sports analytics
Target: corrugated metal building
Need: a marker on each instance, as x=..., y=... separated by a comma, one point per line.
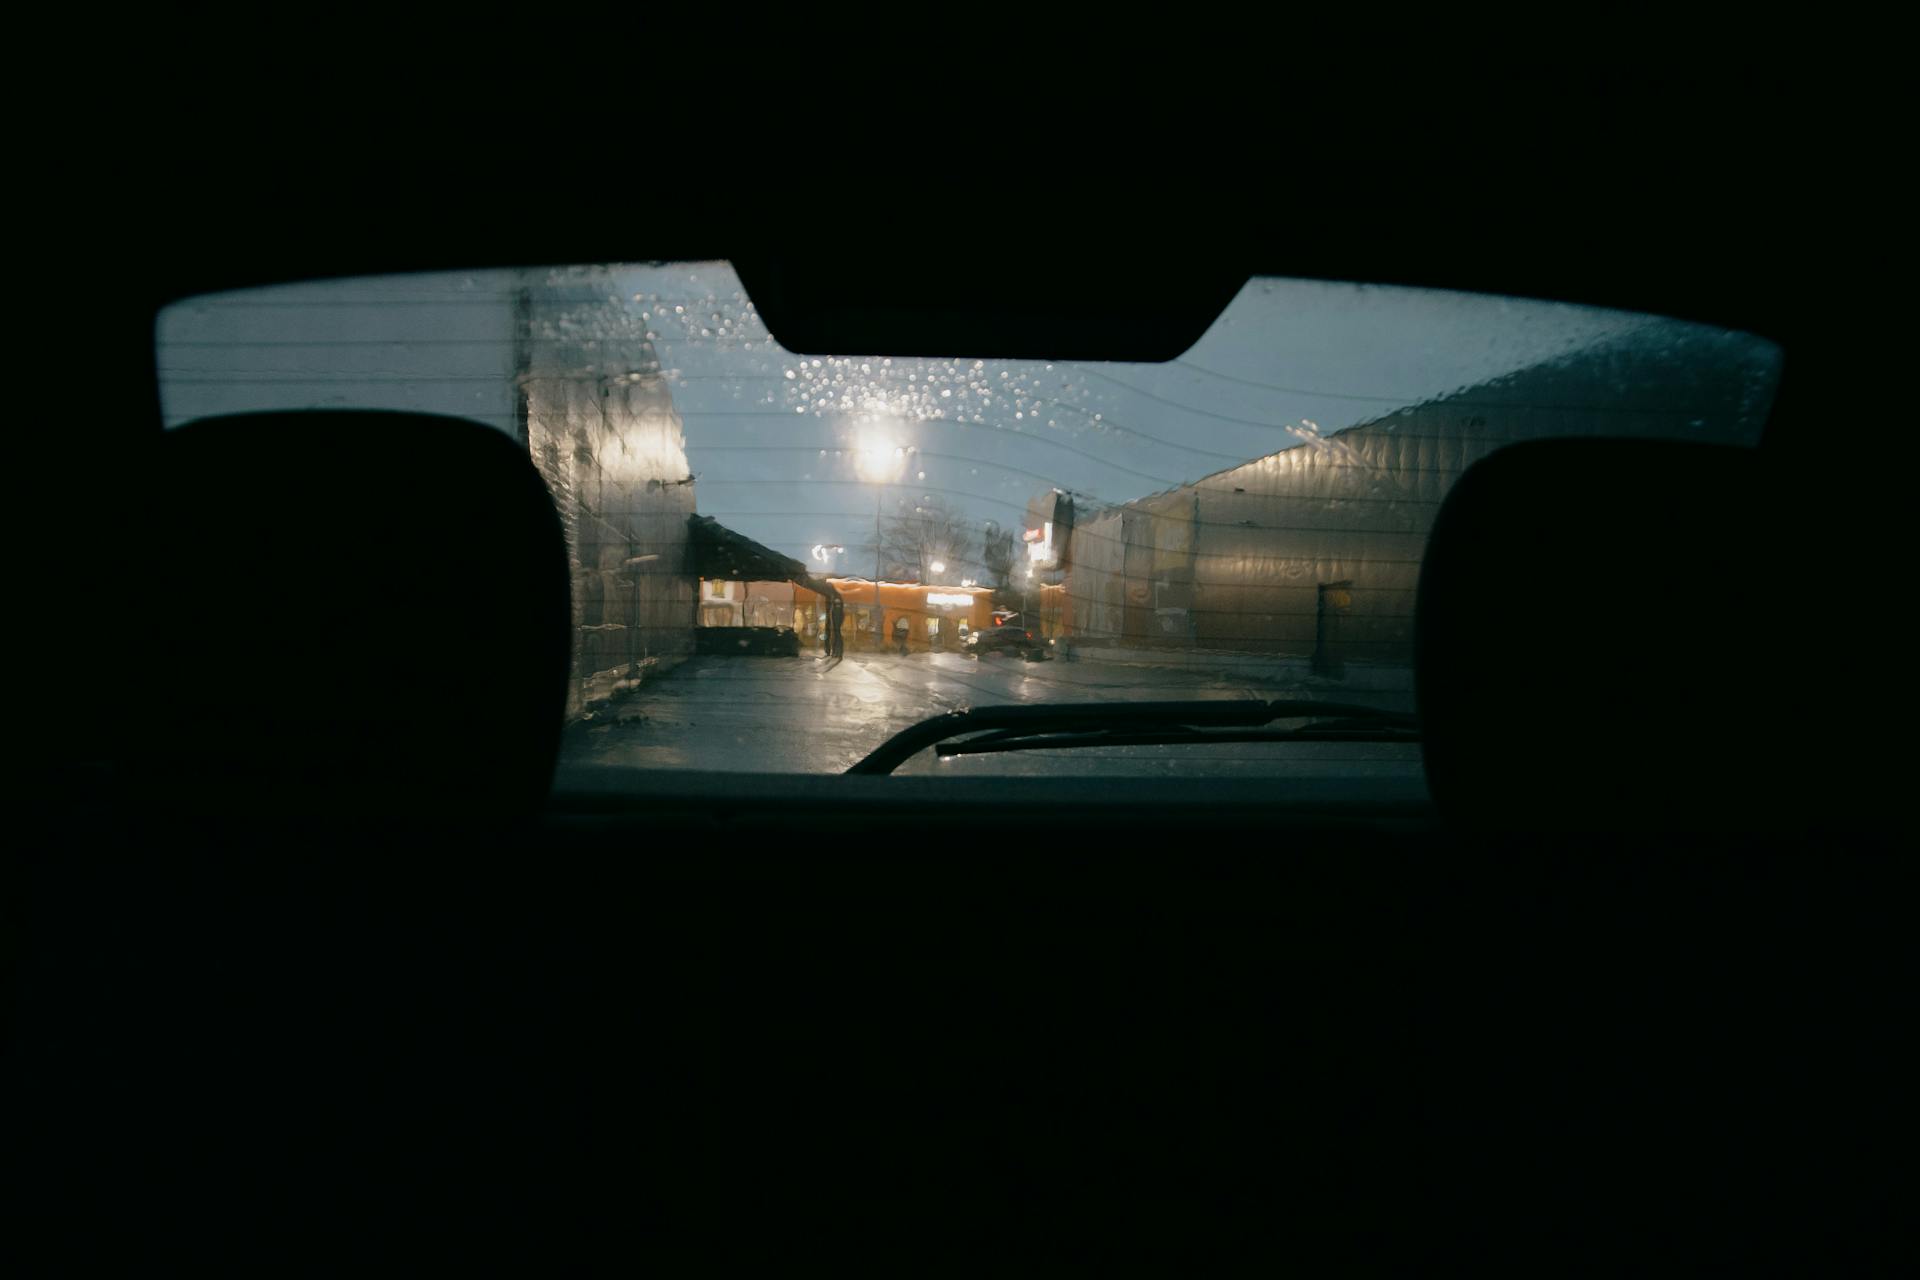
x=1315, y=549
x=600, y=425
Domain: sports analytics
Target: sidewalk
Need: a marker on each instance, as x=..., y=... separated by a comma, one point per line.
x=1279, y=668
x=600, y=694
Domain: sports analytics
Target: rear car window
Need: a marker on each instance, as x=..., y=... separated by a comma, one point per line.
x=779, y=561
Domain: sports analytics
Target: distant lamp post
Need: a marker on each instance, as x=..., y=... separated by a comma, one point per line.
x=879, y=461
x=938, y=566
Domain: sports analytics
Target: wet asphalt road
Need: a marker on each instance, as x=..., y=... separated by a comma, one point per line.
x=812, y=715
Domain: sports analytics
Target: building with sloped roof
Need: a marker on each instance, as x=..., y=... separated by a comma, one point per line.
x=1315, y=550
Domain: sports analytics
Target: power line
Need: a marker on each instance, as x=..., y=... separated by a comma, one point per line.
x=1438, y=398
x=1098, y=417
x=1298, y=391
x=928, y=453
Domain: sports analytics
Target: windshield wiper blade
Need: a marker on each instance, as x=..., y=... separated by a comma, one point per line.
x=1349, y=731
x=1013, y=728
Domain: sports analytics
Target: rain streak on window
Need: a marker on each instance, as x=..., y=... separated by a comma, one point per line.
x=779, y=560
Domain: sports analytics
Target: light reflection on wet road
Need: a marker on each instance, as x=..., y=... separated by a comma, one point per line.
x=810, y=715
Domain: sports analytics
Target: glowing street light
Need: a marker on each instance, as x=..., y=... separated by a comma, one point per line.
x=878, y=460
x=938, y=566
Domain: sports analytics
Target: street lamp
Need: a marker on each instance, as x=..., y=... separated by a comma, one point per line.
x=877, y=459
x=938, y=566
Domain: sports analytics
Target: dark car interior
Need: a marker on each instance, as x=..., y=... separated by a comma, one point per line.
x=296, y=990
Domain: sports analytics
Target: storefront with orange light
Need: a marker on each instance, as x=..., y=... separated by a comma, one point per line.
x=930, y=618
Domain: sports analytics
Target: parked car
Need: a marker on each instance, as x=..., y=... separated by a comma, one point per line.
x=1008, y=634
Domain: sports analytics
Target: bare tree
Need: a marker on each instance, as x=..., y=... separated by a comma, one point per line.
x=999, y=553
x=933, y=532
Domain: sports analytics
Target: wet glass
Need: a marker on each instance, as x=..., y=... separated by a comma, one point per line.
x=1246, y=521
